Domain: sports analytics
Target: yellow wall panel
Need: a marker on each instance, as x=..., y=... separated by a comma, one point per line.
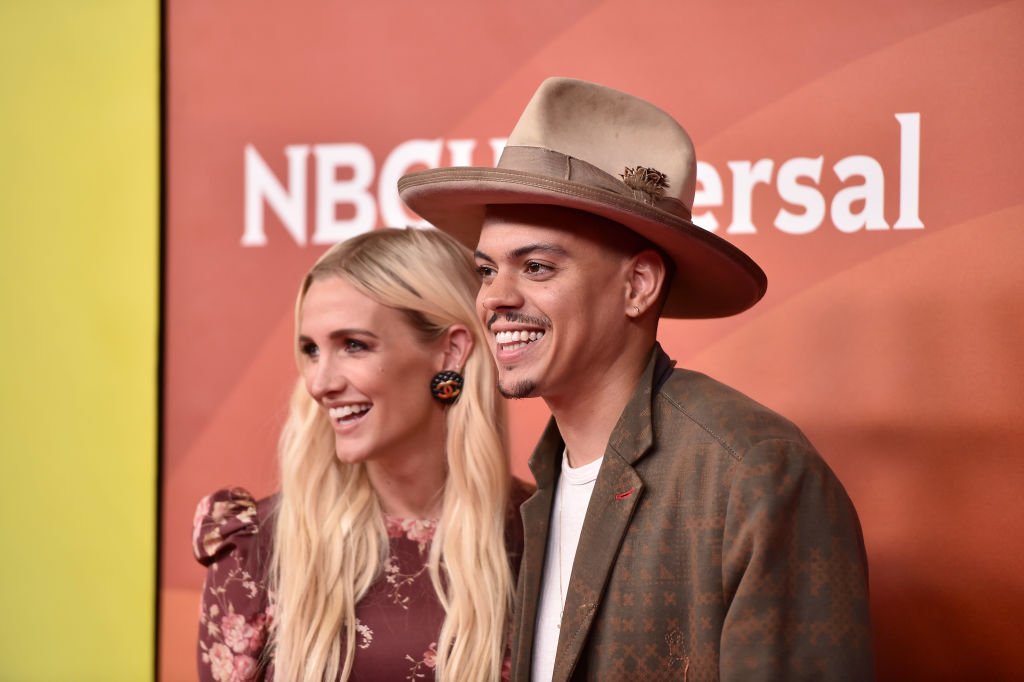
x=79, y=245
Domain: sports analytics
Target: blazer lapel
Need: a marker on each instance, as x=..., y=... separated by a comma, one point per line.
x=617, y=491
x=536, y=513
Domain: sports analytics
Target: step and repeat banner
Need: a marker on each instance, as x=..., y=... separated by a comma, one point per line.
x=867, y=156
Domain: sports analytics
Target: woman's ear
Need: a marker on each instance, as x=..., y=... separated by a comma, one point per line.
x=646, y=279
x=458, y=343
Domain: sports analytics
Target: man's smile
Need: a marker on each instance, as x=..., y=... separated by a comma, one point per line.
x=514, y=332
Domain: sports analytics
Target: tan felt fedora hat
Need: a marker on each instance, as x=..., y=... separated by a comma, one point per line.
x=585, y=146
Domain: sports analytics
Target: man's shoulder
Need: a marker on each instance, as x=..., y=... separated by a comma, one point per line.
x=692, y=400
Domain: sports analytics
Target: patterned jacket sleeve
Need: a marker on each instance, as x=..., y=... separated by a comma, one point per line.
x=794, y=570
x=231, y=539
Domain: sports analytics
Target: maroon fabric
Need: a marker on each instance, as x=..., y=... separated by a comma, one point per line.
x=397, y=622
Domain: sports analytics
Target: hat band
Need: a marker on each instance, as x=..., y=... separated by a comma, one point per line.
x=557, y=166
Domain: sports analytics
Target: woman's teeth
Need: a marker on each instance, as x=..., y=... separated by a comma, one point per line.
x=517, y=339
x=348, y=410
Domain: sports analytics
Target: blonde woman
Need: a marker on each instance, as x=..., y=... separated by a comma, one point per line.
x=391, y=549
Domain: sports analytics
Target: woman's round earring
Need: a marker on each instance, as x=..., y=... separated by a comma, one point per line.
x=446, y=387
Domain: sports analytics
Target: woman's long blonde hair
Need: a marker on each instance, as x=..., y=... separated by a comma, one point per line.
x=330, y=542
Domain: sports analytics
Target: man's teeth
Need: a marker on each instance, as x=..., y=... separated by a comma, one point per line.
x=520, y=337
x=347, y=410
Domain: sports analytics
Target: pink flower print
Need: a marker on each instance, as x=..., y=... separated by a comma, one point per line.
x=240, y=506
x=222, y=662
x=395, y=526
x=420, y=531
x=243, y=637
x=211, y=543
x=428, y=661
x=430, y=655
x=202, y=509
x=221, y=510
x=248, y=514
x=260, y=627
x=244, y=669
x=364, y=633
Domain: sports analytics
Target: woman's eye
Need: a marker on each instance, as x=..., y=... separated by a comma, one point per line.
x=309, y=350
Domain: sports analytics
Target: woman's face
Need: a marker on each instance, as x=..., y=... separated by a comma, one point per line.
x=370, y=373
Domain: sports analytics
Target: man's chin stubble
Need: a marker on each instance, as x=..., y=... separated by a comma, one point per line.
x=523, y=389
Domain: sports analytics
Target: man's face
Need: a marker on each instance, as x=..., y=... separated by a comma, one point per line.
x=553, y=296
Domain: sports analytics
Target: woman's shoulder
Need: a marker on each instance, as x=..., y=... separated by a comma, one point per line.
x=232, y=536
x=230, y=519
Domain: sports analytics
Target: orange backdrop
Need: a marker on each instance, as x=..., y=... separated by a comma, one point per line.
x=865, y=154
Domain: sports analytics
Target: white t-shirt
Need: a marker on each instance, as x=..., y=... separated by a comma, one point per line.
x=572, y=496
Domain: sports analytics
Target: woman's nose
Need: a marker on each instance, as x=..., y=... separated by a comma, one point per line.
x=324, y=377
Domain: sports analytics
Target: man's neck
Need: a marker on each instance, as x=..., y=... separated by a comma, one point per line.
x=587, y=417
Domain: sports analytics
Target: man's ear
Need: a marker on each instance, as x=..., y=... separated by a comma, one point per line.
x=647, y=276
x=458, y=343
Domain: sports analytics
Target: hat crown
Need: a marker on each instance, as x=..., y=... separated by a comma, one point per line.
x=608, y=129
x=590, y=148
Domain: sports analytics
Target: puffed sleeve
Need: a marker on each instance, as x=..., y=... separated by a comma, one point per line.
x=795, y=572
x=231, y=537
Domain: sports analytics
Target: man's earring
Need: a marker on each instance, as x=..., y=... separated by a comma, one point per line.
x=446, y=387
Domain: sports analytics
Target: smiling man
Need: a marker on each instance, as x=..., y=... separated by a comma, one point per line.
x=680, y=530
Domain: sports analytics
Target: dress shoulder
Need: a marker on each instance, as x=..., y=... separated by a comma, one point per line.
x=232, y=536
x=229, y=519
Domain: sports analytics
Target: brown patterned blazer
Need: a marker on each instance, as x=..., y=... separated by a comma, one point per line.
x=718, y=545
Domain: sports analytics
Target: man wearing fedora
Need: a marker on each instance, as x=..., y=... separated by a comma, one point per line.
x=679, y=530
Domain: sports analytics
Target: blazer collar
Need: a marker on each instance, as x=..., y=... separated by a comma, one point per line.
x=632, y=435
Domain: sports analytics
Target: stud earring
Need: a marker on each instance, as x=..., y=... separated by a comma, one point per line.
x=446, y=387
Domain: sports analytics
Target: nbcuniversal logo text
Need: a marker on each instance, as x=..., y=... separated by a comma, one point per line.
x=345, y=174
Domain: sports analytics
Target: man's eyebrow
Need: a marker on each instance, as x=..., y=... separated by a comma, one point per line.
x=526, y=250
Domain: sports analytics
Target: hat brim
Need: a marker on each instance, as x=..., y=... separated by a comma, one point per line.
x=713, y=278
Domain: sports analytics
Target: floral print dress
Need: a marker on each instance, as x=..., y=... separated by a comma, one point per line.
x=397, y=621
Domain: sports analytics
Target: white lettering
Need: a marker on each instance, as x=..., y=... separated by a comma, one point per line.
x=497, y=147
x=289, y=205
x=799, y=194
x=910, y=170
x=745, y=176
x=460, y=152
x=405, y=156
x=709, y=193
x=872, y=193
x=347, y=185
x=330, y=192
